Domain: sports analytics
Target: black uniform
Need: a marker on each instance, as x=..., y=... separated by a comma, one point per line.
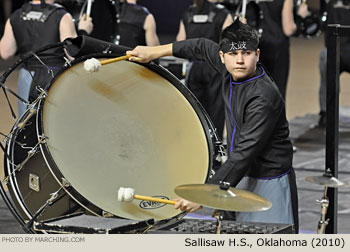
x=128, y=32
x=132, y=19
x=34, y=27
x=202, y=79
x=274, y=45
x=256, y=123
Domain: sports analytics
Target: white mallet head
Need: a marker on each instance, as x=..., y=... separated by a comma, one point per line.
x=126, y=194
x=92, y=65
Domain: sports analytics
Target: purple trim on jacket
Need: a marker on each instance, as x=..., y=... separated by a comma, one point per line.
x=233, y=120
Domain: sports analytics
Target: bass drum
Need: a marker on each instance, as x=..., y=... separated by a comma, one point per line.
x=127, y=125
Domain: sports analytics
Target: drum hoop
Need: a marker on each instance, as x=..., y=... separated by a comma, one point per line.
x=13, y=187
x=203, y=117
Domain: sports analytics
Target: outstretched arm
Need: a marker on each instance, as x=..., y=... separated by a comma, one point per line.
x=145, y=54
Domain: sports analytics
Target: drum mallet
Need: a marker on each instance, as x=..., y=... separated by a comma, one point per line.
x=93, y=65
x=88, y=9
x=128, y=195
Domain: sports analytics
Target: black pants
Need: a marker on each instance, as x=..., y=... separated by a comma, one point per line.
x=205, y=84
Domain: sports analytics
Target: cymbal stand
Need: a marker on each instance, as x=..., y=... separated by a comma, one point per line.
x=322, y=224
x=218, y=217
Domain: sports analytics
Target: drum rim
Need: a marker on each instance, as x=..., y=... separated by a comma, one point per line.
x=195, y=104
x=13, y=187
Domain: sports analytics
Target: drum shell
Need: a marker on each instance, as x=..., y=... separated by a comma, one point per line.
x=29, y=201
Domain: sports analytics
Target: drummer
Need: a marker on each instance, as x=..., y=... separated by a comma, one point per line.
x=24, y=32
x=137, y=25
x=260, y=153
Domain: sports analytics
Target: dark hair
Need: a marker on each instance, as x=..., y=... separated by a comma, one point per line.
x=238, y=31
x=199, y=4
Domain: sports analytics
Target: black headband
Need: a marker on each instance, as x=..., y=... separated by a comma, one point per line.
x=238, y=45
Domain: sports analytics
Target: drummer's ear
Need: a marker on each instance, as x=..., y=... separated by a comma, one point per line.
x=221, y=53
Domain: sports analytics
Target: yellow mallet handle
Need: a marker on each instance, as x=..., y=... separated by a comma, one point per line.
x=140, y=197
x=170, y=202
x=104, y=62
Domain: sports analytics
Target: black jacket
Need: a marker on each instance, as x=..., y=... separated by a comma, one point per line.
x=257, y=127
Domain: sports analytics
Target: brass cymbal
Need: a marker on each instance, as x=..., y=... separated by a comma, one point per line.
x=232, y=199
x=326, y=181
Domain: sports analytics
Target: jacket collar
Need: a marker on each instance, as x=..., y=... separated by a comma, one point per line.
x=259, y=73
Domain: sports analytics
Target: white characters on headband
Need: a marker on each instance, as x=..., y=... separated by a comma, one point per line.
x=240, y=45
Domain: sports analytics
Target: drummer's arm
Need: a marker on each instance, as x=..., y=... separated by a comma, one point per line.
x=151, y=31
x=260, y=120
x=288, y=25
x=67, y=29
x=181, y=35
x=145, y=54
x=8, y=45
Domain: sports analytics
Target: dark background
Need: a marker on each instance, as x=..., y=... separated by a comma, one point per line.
x=167, y=14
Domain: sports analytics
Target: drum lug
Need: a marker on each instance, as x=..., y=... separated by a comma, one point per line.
x=65, y=183
x=34, y=182
x=68, y=62
x=107, y=214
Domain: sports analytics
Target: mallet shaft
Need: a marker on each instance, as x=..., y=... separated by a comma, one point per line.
x=141, y=197
x=104, y=62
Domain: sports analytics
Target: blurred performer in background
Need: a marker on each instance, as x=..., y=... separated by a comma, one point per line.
x=26, y=31
x=137, y=25
x=205, y=19
x=338, y=12
x=123, y=22
x=276, y=26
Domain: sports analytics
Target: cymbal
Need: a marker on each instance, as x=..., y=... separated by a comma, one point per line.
x=232, y=199
x=326, y=181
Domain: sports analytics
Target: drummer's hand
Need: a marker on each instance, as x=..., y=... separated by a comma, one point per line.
x=86, y=24
x=186, y=205
x=142, y=54
x=303, y=10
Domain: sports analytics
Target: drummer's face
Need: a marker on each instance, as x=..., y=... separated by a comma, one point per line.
x=241, y=64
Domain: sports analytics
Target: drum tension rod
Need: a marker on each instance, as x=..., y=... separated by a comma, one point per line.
x=32, y=108
x=48, y=69
x=49, y=202
x=21, y=165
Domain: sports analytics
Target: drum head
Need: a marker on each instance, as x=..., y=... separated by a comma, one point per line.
x=124, y=126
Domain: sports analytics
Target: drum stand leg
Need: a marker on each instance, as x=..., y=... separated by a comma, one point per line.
x=53, y=198
x=218, y=217
x=324, y=205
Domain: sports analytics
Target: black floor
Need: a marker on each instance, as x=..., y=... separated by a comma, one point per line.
x=309, y=160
